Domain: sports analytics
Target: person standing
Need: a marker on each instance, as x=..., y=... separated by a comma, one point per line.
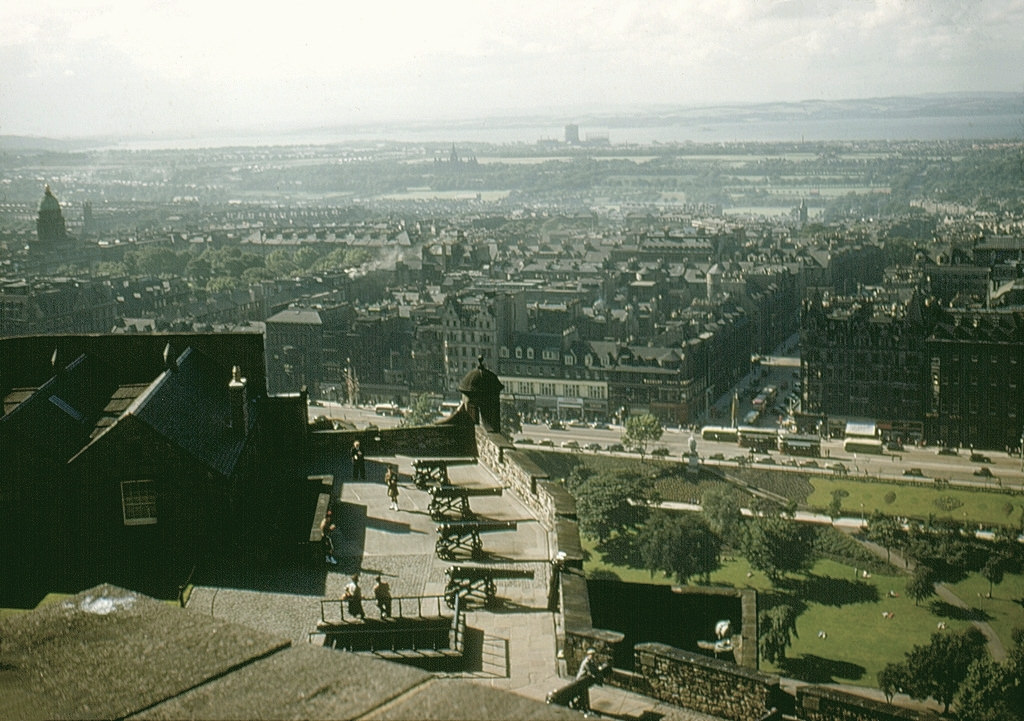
x=326, y=526
x=354, y=595
x=590, y=674
x=382, y=594
x=358, y=463
x=391, y=481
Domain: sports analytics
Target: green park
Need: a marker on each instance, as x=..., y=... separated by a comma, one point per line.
x=853, y=605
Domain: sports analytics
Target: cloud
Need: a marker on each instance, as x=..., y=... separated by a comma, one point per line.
x=82, y=65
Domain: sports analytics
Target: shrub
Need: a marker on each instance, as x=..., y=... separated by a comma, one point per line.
x=890, y=497
x=948, y=503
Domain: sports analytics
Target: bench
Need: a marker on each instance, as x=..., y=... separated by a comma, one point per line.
x=478, y=582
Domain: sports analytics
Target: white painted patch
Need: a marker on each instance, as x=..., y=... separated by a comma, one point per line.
x=103, y=605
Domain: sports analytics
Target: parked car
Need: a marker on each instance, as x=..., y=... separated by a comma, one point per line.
x=808, y=464
x=984, y=472
x=913, y=472
x=894, y=446
x=556, y=426
x=572, y=445
x=717, y=457
x=546, y=442
x=616, y=447
x=525, y=441
x=980, y=458
x=593, y=446
x=948, y=452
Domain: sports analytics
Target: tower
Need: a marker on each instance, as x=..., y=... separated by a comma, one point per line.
x=50, y=226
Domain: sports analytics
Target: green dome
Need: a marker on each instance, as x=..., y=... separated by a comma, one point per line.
x=49, y=203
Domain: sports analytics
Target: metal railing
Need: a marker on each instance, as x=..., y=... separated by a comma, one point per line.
x=401, y=607
x=381, y=638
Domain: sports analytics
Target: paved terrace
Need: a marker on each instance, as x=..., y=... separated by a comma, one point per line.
x=518, y=650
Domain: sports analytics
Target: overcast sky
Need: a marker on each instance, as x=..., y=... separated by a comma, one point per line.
x=144, y=67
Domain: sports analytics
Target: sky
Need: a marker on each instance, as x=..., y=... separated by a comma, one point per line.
x=138, y=68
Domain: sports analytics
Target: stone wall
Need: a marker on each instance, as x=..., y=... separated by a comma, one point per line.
x=818, y=703
x=518, y=475
x=711, y=686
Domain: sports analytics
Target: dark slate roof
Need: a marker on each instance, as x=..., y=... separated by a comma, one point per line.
x=58, y=417
x=110, y=653
x=189, y=407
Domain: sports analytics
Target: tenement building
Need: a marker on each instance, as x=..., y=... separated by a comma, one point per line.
x=919, y=370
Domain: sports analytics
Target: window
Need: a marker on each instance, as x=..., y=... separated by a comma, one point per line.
x=529, y=353
x=138, y=502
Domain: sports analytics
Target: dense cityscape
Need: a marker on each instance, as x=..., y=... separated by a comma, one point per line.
x=775, y=367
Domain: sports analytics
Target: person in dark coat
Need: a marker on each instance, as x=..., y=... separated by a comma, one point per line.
x=358, y=463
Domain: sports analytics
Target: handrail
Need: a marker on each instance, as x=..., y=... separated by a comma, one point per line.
x=456, y=633
x=401, y=607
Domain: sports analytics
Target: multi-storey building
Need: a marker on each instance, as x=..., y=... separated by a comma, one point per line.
x=475, y=324
x=918, y=369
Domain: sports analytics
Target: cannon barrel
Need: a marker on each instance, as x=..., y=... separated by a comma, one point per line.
x=470, y=573
x=461, y=528
x=460, y=492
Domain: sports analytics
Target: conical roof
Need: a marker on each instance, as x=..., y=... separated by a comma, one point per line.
x=49, y=204
x=480, y=380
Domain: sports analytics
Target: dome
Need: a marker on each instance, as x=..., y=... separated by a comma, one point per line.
x=480, y=380
x=49, y=204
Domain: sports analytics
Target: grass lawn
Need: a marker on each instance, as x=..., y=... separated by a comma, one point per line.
x=985, y=507
x=1004, y=611
x=834, y=598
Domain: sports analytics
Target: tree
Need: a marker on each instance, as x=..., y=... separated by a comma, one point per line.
x=679, y=544
x=610, y=502
x=921, y=585
x=511, y=421
x=993, y=571
x=938, y=669
x=422, y=412
x=885, y=531
x=776, y=545
x=986, y=693
x=777, y=627
x=641, y=431
x=722, y=512
x=891, y=680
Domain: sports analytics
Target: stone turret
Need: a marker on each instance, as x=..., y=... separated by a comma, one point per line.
x=481, y=396
x=50, y=227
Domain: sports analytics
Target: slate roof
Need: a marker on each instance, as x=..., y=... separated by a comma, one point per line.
x=111, y=653
x=57, y=417
x=190, y=408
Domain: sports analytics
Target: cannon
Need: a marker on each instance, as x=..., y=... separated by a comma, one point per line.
x=465, y=535
x=454, y=499
x=429, y=472
x=478, y=582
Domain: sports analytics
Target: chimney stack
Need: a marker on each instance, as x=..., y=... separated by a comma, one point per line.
x=239, y=400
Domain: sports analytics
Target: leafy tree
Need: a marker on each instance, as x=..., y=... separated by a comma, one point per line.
x=777, y=628
x=776, y=545
x=721, y=509
x=891, y=680
x=938, y=669
x=921, y=585
x=641, y=431
x=885, y=531
x=835, y=506
x=422, y=412
x=993, y=571
x=986, y=693
x=610, y=502
x=679, y=544
x=511, y=421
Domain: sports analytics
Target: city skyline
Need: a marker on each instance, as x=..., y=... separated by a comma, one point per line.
x=107, y=67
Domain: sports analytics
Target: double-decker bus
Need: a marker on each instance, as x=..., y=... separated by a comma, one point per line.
x=719, y=433
x=758, y=439
x=796, y=444
x=862, y=445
